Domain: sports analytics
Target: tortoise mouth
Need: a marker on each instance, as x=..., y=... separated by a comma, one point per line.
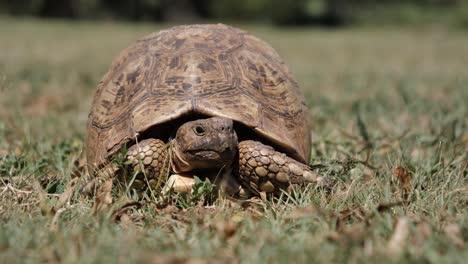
x=205, y=154
x=208, y=154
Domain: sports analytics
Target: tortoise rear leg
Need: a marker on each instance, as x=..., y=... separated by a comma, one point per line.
x=264, y=169
x=151, y=158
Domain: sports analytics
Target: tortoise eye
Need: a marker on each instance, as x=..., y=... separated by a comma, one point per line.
x=199, y=130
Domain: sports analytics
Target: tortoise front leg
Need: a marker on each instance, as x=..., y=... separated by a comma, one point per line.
x=151, y=158
x=264, y=169
x=150, y=155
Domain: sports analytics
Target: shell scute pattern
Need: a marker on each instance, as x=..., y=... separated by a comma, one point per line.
x=213, y=70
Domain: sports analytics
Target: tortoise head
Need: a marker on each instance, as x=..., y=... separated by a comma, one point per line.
x=205, y=144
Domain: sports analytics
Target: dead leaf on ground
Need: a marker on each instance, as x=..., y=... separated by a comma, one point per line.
x=80, y=168
x=422, y=233
x=226, y=228
x=358, y=214
x=63, y=200
x=465, y=138
x=49, y=178
x=344, y=235
x=126, y=221
x=399, y=238
x=404, y=178
x=54, y=223
x=172, y=212
x=300, y=213
x=123, y=209
x=382, y=207
x=168, y=209
x=66, y=196
x=454, y=233
x=4, y=151
x=42, y=195
x=103, y=197
x=254, y=207
x=88, y=185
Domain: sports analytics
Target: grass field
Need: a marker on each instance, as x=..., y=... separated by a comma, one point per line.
x=379, y=100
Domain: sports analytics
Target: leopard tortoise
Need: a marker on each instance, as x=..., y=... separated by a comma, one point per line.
x=205, y=100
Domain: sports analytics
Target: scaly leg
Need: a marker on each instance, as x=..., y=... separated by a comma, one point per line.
x=151, y=157
x=264, y=169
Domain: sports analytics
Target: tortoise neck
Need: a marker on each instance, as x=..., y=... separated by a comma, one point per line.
x=179, y=165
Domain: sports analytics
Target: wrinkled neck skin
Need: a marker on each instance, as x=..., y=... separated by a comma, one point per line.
x=207, y=145
x=179, y=165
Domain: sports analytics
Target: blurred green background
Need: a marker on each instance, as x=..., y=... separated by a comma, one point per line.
x=278, y=12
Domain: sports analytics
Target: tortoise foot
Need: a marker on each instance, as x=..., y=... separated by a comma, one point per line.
x=264, y=169
x=179, y=183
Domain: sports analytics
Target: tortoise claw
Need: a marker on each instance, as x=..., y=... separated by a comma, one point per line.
x=178, y=183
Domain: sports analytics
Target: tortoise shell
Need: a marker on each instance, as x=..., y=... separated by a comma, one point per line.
x=198, y=70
